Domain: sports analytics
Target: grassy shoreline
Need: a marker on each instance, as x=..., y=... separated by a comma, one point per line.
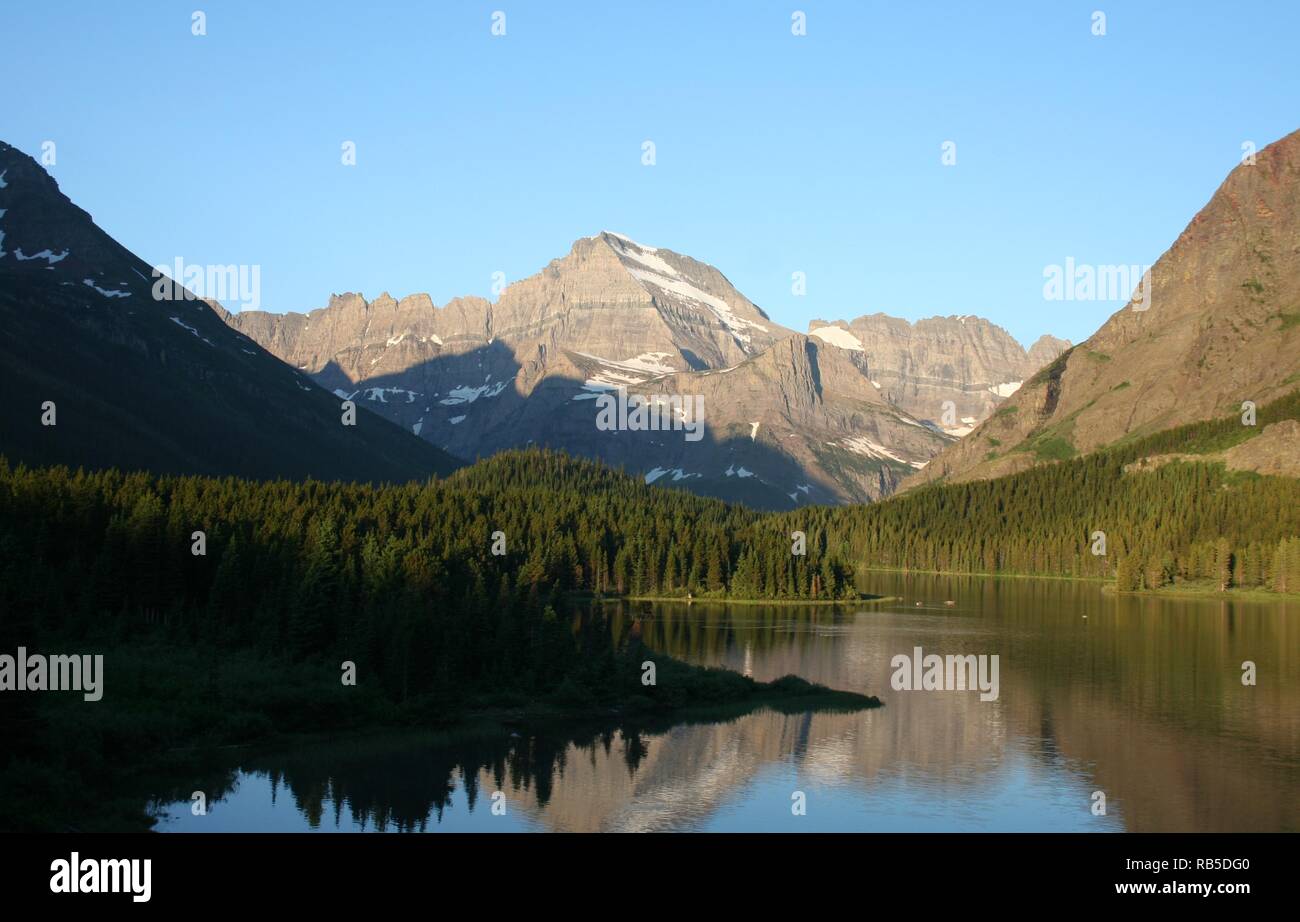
x=725, y=600
x=1180, y=590
x=1195, y=591
x=907, y=571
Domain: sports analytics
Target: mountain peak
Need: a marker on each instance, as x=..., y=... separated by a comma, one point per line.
x=153, y=381
x=18, y=168
x=623, y=240
x=39, y=219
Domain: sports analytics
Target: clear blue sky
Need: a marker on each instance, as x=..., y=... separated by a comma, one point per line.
x=775, y=153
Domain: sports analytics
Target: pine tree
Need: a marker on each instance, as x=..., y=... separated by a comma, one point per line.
x=1127, y=575
x=1222, y=564
x=315, y=608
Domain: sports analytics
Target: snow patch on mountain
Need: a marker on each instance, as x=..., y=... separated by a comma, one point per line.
x=837, y=336
x=615, y=373
x=640, y=253
x=862, y=445
x=192, y=330
x=110, y=293
x=464, y=394
x=377, y=393
x=678, y=474
x=682, y=288
x=47, y=255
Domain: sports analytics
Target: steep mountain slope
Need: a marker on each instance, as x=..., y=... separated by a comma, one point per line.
x=786, y=420
x=920, y=367
x=796, y=424
x=140, y=383
x=1221, y=326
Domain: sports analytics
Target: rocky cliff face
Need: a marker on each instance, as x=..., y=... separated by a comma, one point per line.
x=949, y=371
x=1220, y=326
x=1045, y=350
x=787, y=419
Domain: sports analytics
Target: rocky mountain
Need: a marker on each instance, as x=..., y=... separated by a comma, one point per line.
x=951, y=372
x=97, y=371
x=787, y=419
x=1220, y=325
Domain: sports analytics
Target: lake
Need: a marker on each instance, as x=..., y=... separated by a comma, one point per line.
x=1140, y=699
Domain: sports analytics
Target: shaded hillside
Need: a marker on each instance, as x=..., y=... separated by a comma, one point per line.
x=160, y=385
x=1221, y=326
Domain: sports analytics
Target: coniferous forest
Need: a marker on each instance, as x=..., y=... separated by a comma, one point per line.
x=436, y=585
x=229, y=607
x=1186, y=521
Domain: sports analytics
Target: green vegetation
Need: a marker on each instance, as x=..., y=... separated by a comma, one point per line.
x=1179, y=522
x=248, y=639
x=1189, y=518
x=1052, y=443
x=1210, y=435
x=1004, y=411
x=1052, y=371
x=1052, y=448
x=1203, y=589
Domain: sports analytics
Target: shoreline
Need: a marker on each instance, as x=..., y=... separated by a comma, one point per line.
x=723, y=600
x=1207, y=594
x=224, y=722
x=1107, y=585
x=905, y=572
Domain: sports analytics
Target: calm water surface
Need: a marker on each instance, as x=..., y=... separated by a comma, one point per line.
x=1140, y=699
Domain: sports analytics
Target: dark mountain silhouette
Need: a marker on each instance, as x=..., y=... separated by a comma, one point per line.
x=132, y=381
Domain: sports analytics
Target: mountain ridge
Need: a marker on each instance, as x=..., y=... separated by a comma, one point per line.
x=97, y=371
x=950, y=371
x=477, y=377
x=1220, y=328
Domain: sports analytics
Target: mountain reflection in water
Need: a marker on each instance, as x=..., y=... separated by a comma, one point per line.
x=1141, y=700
